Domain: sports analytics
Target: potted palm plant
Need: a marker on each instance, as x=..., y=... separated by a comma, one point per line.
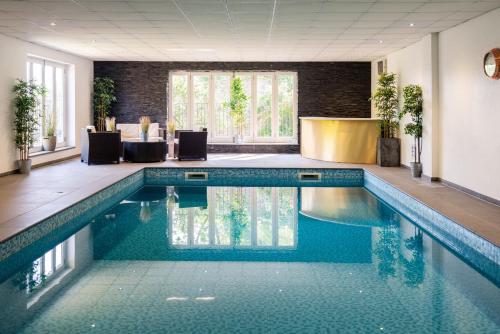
x=26, y=101
x=413, y=105
x=386, y=103
x=104, y=96
x=49, y=138
x=237, y=106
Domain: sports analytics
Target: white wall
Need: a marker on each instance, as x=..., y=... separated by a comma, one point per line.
x=12, y=66
x=407, y=64
x=461, y=105
x=469, y=106
x=415, y=64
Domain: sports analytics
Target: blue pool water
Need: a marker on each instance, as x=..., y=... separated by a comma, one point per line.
x=223, y=259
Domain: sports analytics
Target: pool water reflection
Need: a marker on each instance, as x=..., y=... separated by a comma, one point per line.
x=240, y=259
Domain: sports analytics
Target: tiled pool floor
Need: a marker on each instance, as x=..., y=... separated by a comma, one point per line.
x=25, y=200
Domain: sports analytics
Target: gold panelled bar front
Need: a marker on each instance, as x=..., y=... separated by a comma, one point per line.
x=352, y=140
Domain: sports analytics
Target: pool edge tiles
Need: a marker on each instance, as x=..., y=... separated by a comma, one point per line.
x=85, y=209
x=454, y=235
x=250, y=176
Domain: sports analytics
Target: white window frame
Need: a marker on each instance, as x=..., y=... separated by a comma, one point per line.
x=212, y=198
x=29, y=75
x=213, y=138
x=252, y=138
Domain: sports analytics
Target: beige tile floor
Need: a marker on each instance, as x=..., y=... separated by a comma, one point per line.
x=26, y=200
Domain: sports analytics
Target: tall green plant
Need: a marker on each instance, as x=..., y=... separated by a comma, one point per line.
x=237, y=105
x=26, y=101
x=413, y=105
x=104, y=96
x=386, y=103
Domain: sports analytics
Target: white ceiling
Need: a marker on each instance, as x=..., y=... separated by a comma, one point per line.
x=230, y=30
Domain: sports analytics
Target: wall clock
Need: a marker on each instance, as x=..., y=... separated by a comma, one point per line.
x=492, y=64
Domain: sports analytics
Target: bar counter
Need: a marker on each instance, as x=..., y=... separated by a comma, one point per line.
x=352, y=140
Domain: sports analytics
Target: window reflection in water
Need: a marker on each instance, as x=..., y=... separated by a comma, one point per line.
x=218, y=217
x=36, y=274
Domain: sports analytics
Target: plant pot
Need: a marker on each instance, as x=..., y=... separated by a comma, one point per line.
x=144, y=136
x=24, y=166
x=238, y=139
x=171, y=147
x=49, y=143
x=388, y=152
x=416, y=169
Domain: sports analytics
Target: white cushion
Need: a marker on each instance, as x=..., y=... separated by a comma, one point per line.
x=128, y=130
x=154, y=129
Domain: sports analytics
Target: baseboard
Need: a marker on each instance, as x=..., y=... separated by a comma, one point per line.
x=471, y=192
x=55, y=161
x=458, y=187
x=254, y=148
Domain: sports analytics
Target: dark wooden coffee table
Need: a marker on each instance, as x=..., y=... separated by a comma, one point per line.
x=153, y=150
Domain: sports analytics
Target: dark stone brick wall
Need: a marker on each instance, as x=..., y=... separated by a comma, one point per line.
x=330, y=89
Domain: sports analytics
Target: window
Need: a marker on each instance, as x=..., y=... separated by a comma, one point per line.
x=252, y=217
x=199, y=100
x=52, y=76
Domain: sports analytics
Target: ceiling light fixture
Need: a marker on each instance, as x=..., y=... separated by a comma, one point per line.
x=53, y=24
x=412, y=24
x=380, y=41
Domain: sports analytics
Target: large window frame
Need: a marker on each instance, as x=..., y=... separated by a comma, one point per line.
x=57, y=88
x=251, y=136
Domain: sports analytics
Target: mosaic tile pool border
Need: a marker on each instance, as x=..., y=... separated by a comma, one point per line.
x=453, y=235
x=256, y=177
x=84, y=210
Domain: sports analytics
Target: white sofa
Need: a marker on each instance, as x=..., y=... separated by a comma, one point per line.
x=132, y=131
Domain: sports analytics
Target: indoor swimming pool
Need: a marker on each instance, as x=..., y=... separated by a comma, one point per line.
x=202, y=257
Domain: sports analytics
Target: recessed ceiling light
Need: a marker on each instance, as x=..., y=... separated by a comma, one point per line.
x=380, y=41
x=52, y=24
x=412, y=24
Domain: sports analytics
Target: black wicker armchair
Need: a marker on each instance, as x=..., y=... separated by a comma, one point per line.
x=190, y=145
x=100, y=147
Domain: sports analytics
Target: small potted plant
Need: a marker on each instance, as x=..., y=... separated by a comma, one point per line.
x=26, y=117
x=49, y=138
x=104, y=96
x=111, y=124
x=413, y=105
x=386, y=103
x=170, y=137
x=237, y=107
x=144, y=123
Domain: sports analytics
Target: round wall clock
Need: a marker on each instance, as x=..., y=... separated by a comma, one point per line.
x=492, y=64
